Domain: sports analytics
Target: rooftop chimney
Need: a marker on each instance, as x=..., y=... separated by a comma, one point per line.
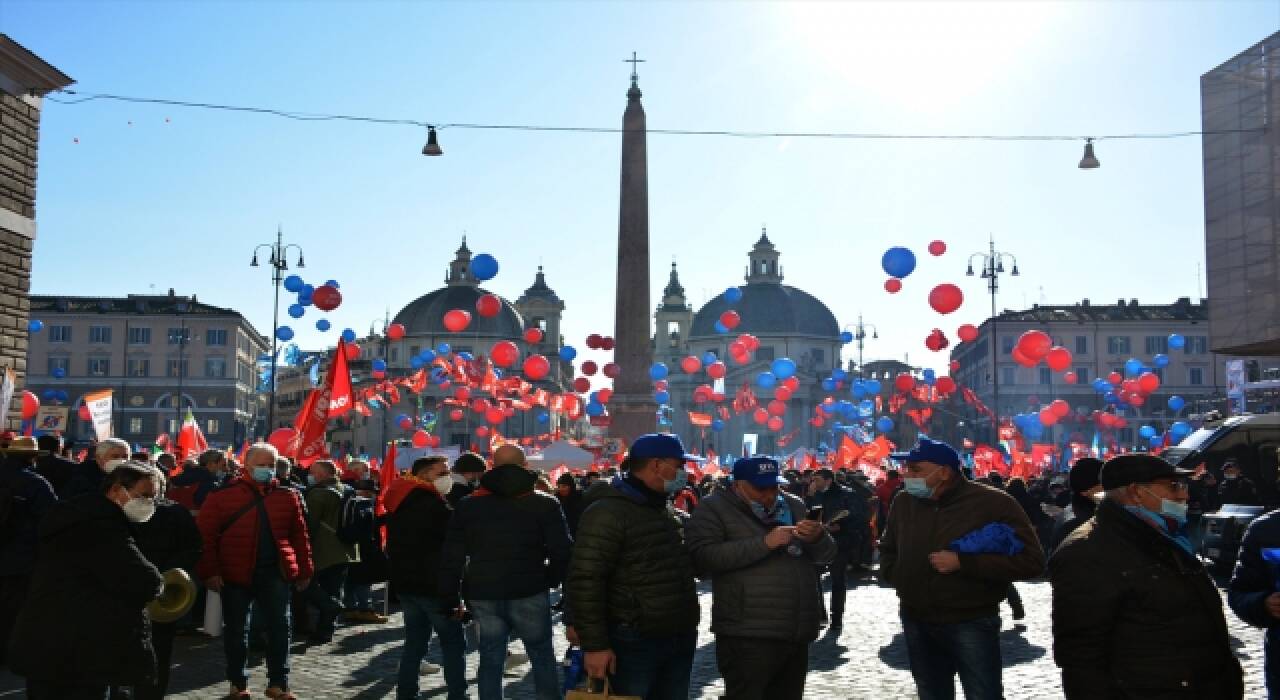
x=1085, y=302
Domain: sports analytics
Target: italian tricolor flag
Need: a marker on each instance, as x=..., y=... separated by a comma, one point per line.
x=191, y=441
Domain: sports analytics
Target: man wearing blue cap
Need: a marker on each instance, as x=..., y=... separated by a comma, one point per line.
x=630, y=588
x=764, y=559
x=950, y=601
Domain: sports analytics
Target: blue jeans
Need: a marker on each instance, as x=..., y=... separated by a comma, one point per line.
x=654, y=668
x=358, y=596
x=530, y=620
x=268, y=596
x=938, y=652
x=421, y=615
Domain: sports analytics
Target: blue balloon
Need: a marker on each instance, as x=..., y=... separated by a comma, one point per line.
x=828, y=384
x=48, y=394
x=866, y=408
x=717, y=425
x=594, y=408
x=898, y=262
x=846, y=337
x=709, y=358
x=839, y=375
x=930, y=377
x=293, y=283
x=828, y=407
x=284, y=333
x=402, y=418
x=543, y=417
x=1177, y=403
x=304, y=294
x=658, y=371
x=484, y=267
x=379, y=365
x=443, y=349
x=783, y=367
x=720, y=327
x=859, y=389
x=438, y=375
x=297, y=310
x=766, y=380
x=1147, y=431
x=416, y=362
x=884, y=424
x=34, y=325
x=349, y=335
x=1155, y=441
x=662, y=397
x=1034, y=430
x=1111, y=397
x=323, y=325
x=466, y=356
x=1101, y=385
x=1133, y=367
x=733, y=295
x=873, y=386
x=1178, y=431
x=334, y=284
x=62, y=396
x=1177, y=342
x=568, y=352
x=427, y=355
x=1161, y=360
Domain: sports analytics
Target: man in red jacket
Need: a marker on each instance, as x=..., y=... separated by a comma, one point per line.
x=255, y=545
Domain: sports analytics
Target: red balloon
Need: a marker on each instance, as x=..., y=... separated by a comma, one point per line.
x=533, y=335
x=782, y=393
x=482, y=431
x=946, y=298
x=1060, y=408
x=456, y=320
x=893, y=285
x=604, y=395
x=1148, y=382
x=660, y=385
x=1035, y=344
x=760, y=416
x=730, y=319
x=456, y=414
x=420, y=438
x=1047, y=416
x=816, y=422
x=284, y=440
x=606, y=344
x=594, y=340
x=462, y=393
x=1021, y=358
x=937, y=248
x=702, y=394
x=379, y=374
x=716, y=370
x=967, y=333
x=690, y=364
x=30, y=405
x=582, y=385
x=395, y=331
x=589, y=368
x=791, y=383
x=536, y=367
x=495, y=415
x=488, y=305
x=1129, y=386
x=775, y=424
x=1069, y=377
x=1115, y=378
x=326, y=298
x=904, y=382
x=750, y=342
x=353, y=351
x=479, y=405
x=509, y=411
x=435, y=441
x=945, y=385
x=737, y=347
x=777, y=408
x=1058, y=358
x=611, y=370
x=1137, y=399
x=504, y=353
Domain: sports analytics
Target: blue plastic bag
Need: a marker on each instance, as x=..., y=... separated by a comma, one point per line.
x=992, y=538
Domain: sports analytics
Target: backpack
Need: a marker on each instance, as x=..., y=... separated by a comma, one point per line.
x=355, y=518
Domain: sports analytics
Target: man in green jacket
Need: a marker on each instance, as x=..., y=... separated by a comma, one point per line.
x=950, y=601
x=331, y=555
x=630, y=588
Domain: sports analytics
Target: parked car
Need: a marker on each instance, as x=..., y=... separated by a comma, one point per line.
x=1223, y=532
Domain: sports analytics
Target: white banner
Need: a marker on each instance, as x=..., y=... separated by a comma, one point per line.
x=7, y=382
x=99, y=403
x=52, y=419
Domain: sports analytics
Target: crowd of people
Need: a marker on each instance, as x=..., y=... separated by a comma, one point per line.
x=487, y=544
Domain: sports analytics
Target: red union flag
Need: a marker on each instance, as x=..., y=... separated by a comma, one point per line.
x=329, y=401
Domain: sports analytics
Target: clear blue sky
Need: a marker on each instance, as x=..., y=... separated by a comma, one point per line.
x=181, y=203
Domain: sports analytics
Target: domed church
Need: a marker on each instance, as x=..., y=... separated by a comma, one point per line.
x=789, y=322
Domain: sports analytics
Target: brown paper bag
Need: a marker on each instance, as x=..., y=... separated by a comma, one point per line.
x=606, y=695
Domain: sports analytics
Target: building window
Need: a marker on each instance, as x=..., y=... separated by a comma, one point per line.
x=1157, y=344
x=1082, y=375
x=765, y=354
x=135, y=426
x=213, y=426
x=242, y=342
x=177, y=335
x=1006, y=344
x=100, y=334
x=215, y=367
x=1046, y=375
x=1082, y=345
x=1007, y=375
x=99, y=366
x=59, y=363
x=139, y=336
x=139, y=366
x=415, y=350
x=59, y=334
x=215, y=336
x=395, y=355
x=177, y=368
x=1196, y=345
x=1118, y=344
x=1195, y=376
x=1159, y=372
x=819, y=355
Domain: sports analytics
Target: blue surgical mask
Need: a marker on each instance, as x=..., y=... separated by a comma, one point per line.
x=263, y=475
x=1169, y=509
x=674, y=486
x=918, y=487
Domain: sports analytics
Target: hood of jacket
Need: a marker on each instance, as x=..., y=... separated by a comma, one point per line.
x=507, y=481
x=92, y=509
x=403, y=486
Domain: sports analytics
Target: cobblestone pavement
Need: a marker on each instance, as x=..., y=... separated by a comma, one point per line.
x=865, y=659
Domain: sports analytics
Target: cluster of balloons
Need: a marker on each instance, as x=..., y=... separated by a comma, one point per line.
x=1035, y=346
x=1133, y=387
x=325, y=297
x=936, y=340
x=600, y=342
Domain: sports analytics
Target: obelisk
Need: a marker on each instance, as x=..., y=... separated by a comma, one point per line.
x=632, y=409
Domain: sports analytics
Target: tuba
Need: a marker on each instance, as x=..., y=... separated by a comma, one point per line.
x=176, y=598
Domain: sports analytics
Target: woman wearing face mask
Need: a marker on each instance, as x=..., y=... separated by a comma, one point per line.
x=90, y=578
x=417, y=519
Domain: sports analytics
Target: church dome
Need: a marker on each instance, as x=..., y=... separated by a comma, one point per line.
x=769, y=309
x=425, y=315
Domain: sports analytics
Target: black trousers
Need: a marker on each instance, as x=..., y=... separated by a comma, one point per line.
x=762, y=669
x=13, y=595
x=162, y=639
x=839, y=580
x=44, y=690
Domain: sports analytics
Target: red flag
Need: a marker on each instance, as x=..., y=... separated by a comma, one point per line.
x=385, y=477
x=190, y=440
x=786, y=439
x=849, y=451
x=745, y=400
x=700, y=420
x=338, y=380
x=418, y=383
x=332, y=399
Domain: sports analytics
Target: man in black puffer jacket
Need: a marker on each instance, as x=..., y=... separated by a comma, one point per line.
x=1135, y=614
x=630, y=590
x=505, y=533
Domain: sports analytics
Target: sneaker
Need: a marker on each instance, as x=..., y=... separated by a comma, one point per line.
x=429, y=668
x=238, y=693
x=514, y=660
x=278, y=693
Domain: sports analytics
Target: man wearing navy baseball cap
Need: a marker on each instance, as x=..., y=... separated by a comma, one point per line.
x=950, y=601
x=764, y=557
x=631, y=594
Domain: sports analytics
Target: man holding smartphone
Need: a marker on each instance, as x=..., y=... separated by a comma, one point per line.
x=763, y=556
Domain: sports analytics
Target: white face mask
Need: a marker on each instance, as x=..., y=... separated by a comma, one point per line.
x=111, y=464
x=443, y=484
x=139, y=510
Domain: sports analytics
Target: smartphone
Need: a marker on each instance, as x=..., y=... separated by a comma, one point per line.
x=815, y=513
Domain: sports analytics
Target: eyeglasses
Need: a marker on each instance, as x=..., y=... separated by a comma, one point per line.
x=1175, y=486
